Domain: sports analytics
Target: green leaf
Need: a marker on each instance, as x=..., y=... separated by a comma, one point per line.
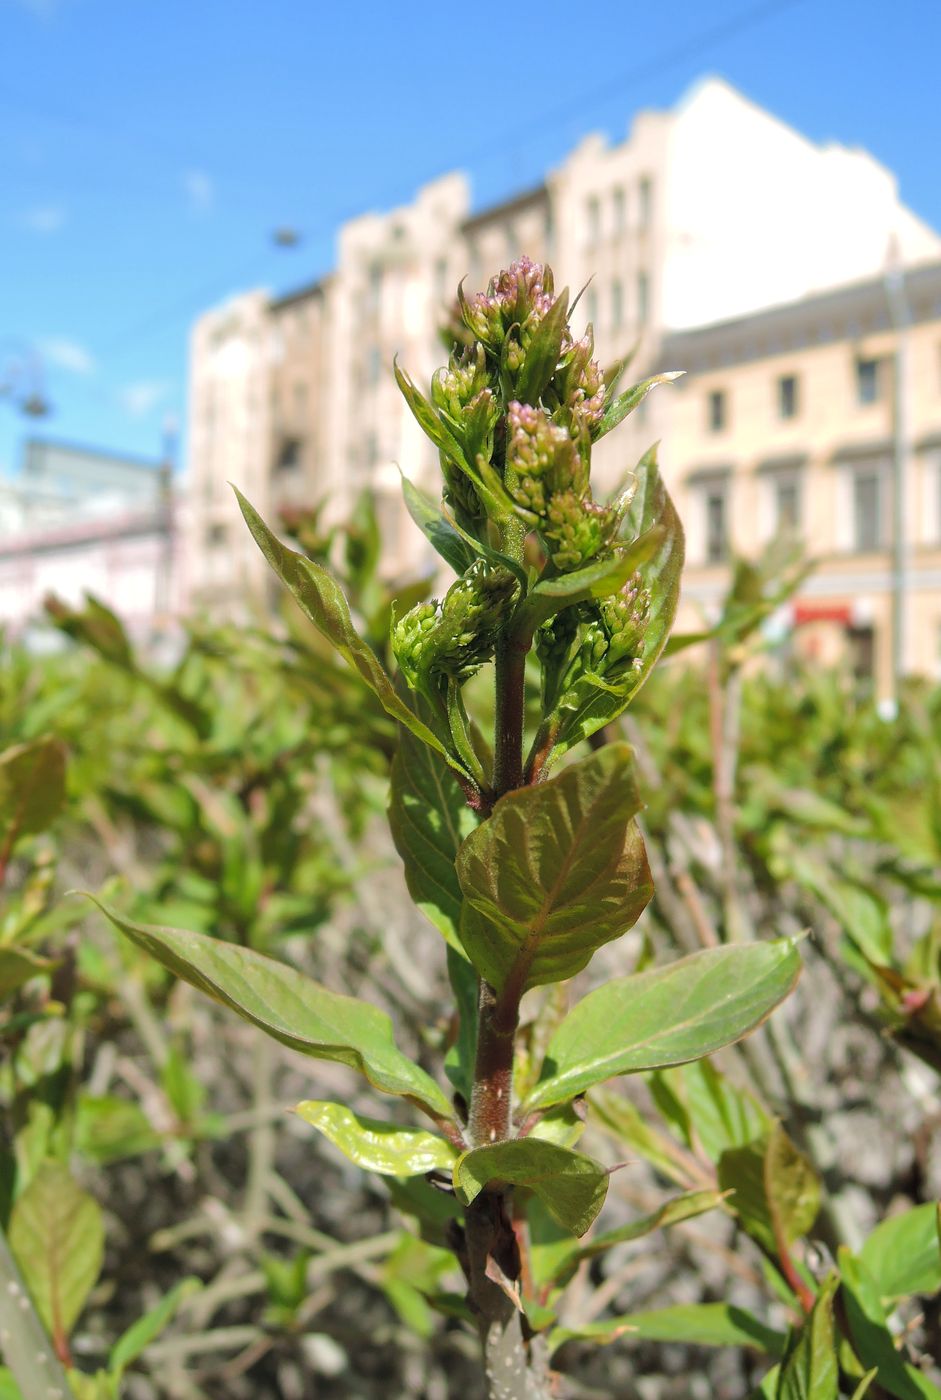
x=698, y=1324
x=810, y=1370
x=557, y=871
x=665, y=1016
x=387, y=1148
x=598, y=580
x=708, y=1111
x=867, y=1380
x=148, y=1328
x=660, y=574
x=32, y=789
x=680, y=1208
x=461, y=1054
x=872, y=1341
x=18, y=965
x=109, y=1128
x=543, y=351
x=431, y=423
x=322, y=601
x=572, y=1187
x=618, y=409
x=903, y=1254
x=288, y=1006
x=430, y=819
x=776, y=1190
x=439, y=532
x=57, y=1236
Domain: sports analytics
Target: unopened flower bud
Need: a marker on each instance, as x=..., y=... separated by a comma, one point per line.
x=541, y=458
x=454, y=638
x=576, y=529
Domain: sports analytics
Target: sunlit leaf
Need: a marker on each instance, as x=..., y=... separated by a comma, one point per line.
x=57, y=1237
x=810, y=1370
x=288, y=1006
x=697, y=1324
x=903, y=1253
x=775, y=1189
x=387, y=1148
x=665, y=1016
x=556, y=872
x=872, y=1341
x=32, y=789
x=322, y=601
x=572, y=1187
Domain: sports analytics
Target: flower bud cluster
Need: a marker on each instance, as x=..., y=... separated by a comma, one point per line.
x=520, y=296
x=451, y=639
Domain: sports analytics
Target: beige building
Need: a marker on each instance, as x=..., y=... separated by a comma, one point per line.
x=822, y=417
x=711, y=210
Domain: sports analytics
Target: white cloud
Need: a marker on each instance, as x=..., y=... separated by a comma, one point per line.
x=143, y=396
x=44, y=218
x=67, y=354
x=200, y=191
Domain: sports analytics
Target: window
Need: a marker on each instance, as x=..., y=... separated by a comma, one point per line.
x=619, y=211
x=550, y=231
x=592, y=221
x=300, y=402
x=441, y=280
x=644, y=202
x=375, y=288
x=787, y=396
x=217, y=535
x=867, y=508
x=717, y=414
x=643, y=298
x=371, y=450
x=715, y=502
x=617, y=304
x=591, y=305
x=867, y=381
x=787, y=504
x=373, y=365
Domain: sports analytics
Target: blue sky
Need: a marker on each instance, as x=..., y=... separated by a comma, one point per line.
x=147, y=150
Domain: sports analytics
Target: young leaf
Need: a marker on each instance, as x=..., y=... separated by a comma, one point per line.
x=386, y=1148
x=650, y=506
x=32, y=789
x=670, y=1213
x=776, y=1190
x=57, y=1237
x=557, y=871
x=618, y=409
x=439, y=532
x=810, y=1371
x=18, y=965
x=597, y=580
x=665, y=1016
x=430, y=819
x=322, y=601
x=903, y=1254
x=872, y=1341
x=572, y=1187
x=697, y=1324
x=543, y=351
x=147, y=1329
x=288, y=1006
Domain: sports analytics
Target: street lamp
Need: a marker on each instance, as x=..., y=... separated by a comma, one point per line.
x=21, y=380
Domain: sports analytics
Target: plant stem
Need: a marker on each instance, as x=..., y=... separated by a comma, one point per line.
x=25, y=1347
x=492, y=1092
x=508, y=732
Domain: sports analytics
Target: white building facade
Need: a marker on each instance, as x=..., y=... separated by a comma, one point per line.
x=714, y=209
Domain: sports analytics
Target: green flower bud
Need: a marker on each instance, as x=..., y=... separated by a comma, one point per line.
x=541, y=458
x=520, y=296
x=575, y=530
x=624, y=616
x=454, y=638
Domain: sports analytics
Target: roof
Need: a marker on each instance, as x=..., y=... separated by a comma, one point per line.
x=507, y=208
x=843, y=313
